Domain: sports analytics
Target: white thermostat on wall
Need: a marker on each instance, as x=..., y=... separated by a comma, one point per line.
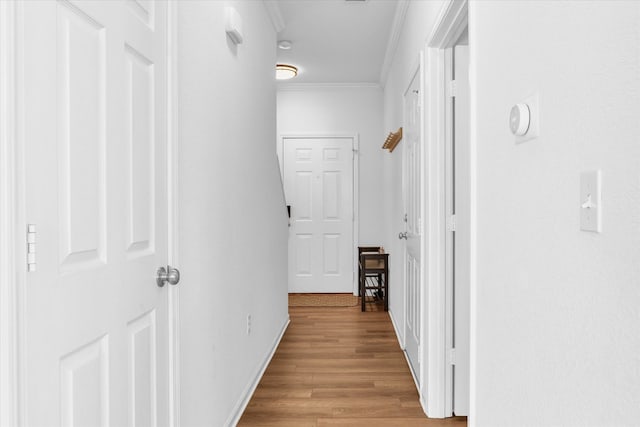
x=524, y=119
x=519, y=119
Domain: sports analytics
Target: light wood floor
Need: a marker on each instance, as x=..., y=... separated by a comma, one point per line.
x=338, y=367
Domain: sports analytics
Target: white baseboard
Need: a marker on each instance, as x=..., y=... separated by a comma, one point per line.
x=413, y=375
x=239, y=408
x=395, y=328
x=423, y=403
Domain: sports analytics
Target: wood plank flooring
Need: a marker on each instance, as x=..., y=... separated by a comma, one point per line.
x=337, y=366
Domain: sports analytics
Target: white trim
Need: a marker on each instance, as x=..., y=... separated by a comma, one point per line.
x=275, y=15
x=397, y=330
x=449, y=26
x=294, y=87
x=394, y=38
x=356, y=210
x=356, y=183
x=20, y=220
x=449, y=241
x=173, y=211
x=435, y=277
x=8, y=215
x=246, y=395
x=473, y=210
x=423, y=389
x=413, y=375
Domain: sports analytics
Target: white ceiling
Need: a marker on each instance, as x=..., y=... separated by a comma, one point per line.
x=334, y=41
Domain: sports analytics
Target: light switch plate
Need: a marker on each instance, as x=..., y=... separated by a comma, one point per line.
x=591, y=201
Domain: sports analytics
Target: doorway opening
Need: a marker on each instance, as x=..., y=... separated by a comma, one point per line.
x=449, y=215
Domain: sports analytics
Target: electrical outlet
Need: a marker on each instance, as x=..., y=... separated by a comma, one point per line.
x=248, y=324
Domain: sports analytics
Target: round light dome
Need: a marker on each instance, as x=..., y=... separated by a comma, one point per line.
x=285, y=71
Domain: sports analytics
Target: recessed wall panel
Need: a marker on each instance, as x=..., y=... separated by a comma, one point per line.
x=304, y=196
x=304, y=252
x=139, y=125
x=81, y=136
x=331, y=254
x=142, y=370
x=84, y=383
x=331, y=195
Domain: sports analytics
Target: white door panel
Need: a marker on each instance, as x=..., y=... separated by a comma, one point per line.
x=93, y=102
x=412, y=202
x=318, y=179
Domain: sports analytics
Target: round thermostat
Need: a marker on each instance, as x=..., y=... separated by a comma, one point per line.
x=519, y=119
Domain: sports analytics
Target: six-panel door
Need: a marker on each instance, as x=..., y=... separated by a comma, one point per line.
x=93, y=116
x=318, y=179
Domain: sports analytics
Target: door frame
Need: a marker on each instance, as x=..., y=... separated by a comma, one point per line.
x=12, y=218
x=355, y=146
x=450, y=24
x=10, y=278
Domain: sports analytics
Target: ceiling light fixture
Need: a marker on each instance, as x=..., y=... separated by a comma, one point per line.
x=285, y=71
x=284, y=44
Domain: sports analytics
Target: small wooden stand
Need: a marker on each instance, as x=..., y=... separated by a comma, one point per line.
x=373, y=276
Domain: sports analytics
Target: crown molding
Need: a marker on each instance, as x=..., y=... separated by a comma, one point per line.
x=275, y=14
x=294, y=87
x=394, y=38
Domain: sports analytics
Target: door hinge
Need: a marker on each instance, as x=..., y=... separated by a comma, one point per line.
x=451, y=223
x=31, y=247
x=451, y=356
x=452, y=88
x=406, y=218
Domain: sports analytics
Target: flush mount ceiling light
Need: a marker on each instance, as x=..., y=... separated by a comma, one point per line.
x=285, y=71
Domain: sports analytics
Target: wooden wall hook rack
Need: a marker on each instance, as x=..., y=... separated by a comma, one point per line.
x=392, y=140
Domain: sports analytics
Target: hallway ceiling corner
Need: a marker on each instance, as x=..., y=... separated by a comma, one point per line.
x=338, y=41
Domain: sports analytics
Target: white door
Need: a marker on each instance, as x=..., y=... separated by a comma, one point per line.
x=318, y=182
x=461, y=235
x=93, y=102
x=412, y=167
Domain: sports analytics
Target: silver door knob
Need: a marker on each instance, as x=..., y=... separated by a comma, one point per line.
x=167, y=275
x=402, y=235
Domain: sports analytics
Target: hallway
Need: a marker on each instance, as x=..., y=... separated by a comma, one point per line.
x=145, y=227
x=337, y=366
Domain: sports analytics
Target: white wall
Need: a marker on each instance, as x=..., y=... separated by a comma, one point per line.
x=558, y=309
x=348, y=110
x=232, y=219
